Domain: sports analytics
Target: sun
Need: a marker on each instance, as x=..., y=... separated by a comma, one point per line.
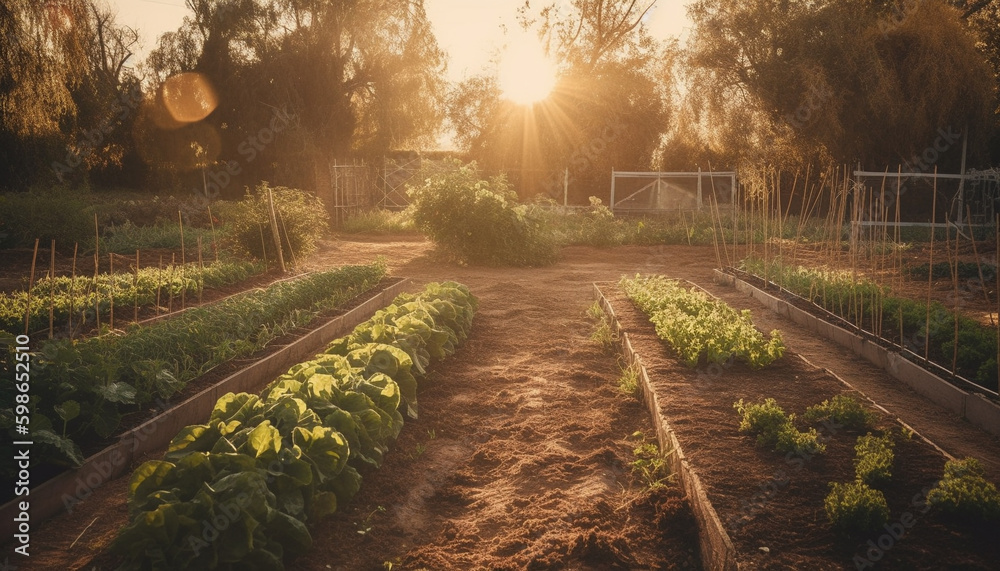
x=527, y=75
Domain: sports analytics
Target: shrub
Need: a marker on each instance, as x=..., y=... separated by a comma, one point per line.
x=843, y=410
x=774, y=428
x=873, y=460
x=60, y=215
x=302, y=220
x=479, y=221
x=855, y=507
x=965, y=492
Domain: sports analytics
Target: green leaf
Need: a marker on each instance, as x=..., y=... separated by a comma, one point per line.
x=68, y=410
x=194, y=438
x=68, y=452
x=264, y=441
x=147, y=478
x=123, y=393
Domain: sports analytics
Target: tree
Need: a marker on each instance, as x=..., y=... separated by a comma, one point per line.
x=847, y=80
x=357, y=78
x=608, y=109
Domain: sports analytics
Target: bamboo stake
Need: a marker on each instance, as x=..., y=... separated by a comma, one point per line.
x=201, y=266
x=170, y=286
x=135, y=287
x=979, y=265
x=215, y=239
x=899, y=251
x=31, y=284
x=687, y=234
x=954, y=356
x=930, y=273
x=997, y=272
x=274, y=231
x=97, y=273
x=111, y=276
x=52, y=290
x=180, y=220
x=72, y=290
x=159, y=285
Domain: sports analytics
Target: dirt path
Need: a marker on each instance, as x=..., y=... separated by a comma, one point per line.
x=520, y=459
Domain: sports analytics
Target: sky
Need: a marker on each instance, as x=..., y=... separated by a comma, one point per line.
x=470, y=31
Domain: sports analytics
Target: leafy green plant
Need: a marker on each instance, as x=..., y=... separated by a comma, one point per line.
x=965, y=492
x=773, y=428
x=844, y=410
x=264, y=465
x=873, y=459
x=302, y=221
x=127, y=237
x=479, y=221
x=856, y=507
x=699, y=327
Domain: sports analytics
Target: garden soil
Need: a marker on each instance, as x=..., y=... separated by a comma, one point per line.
x=521, y=456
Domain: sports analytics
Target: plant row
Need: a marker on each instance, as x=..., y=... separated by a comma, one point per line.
x=900, y=320
x=238, y=491
x=699, y=327
x=859, y=505
x=84, y=298
x=81, y=389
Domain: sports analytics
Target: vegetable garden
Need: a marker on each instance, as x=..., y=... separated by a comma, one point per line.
x=530, y=446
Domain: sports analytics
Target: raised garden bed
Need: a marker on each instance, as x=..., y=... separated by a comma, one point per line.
x=969, y=400
x=771, y=505
x=63, y=491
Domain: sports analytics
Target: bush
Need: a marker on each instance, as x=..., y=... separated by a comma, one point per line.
x=774, y=428
x=873, y=460
x=479, y=221
x=302, y=220
x=855, y=507
x=965, y=492
x=46, y=215
x=843, y=410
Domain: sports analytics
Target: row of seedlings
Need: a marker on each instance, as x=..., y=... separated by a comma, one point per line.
x=81, y=389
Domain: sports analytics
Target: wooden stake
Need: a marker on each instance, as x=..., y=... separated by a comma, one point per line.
x=201, y=267
x=215, y=239
x=72, y=290
x=170, y=285
x=111, y=275
x=954, y=356
x=31, y=284
x=930, y=273
x=979, y=265
x=52, y=290
x=180, y=220
x=159, y=284
x=274, y=231
x=135, y=287
x=97, y=273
